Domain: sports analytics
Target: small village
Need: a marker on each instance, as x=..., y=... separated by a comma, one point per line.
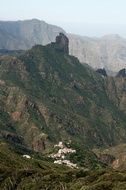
x=60, y=156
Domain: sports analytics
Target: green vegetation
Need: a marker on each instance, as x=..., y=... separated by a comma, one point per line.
x=66, y=100
x=37, y=173
x=47, y=96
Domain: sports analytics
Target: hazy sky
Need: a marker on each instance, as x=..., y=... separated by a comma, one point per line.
x=85, y=17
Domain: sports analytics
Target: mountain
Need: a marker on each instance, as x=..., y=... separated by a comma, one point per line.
x=37, y=109
x=48, y=99
x=108, y=52
x=51, y=97
x=16, y=35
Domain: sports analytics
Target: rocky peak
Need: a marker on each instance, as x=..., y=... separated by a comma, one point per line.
x=62, y=43
x=121, y=73
x=102, y=72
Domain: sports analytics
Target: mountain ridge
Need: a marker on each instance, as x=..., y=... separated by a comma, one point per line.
x=47, y=97
x=57, y=92
x=24, y=34
x=107, y=52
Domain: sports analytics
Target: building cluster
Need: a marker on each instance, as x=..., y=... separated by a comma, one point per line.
x=61, y=155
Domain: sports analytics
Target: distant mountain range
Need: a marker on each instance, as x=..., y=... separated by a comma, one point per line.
x=17, y=35
x=108, y=52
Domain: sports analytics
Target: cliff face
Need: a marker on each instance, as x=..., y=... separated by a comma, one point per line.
x=116, y=89
x=108, y=52
x=63, y=43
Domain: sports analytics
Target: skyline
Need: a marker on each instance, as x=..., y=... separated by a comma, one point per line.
x=83, y=17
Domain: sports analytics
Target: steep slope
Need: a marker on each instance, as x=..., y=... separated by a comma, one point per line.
x=20, y=173
x=16, y=35
x=51, y=97
x=108, y=52
x=116, y=89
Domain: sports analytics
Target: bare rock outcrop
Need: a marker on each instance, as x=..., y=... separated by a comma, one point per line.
x=121, y=73
x=62, y=43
